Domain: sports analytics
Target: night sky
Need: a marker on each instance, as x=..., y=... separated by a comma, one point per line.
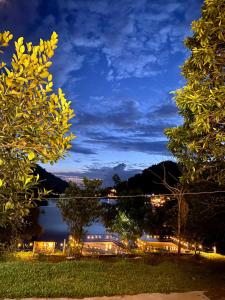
x=117, y=61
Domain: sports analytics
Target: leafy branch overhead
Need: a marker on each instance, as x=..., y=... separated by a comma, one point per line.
x=199, y=144
x=38, y=120
x=35, y=120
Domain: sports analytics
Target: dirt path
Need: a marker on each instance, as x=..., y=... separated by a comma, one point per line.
x=173, y=296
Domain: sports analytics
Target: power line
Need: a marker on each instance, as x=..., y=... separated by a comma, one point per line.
x=133, y=196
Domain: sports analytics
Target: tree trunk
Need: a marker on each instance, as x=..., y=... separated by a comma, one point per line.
x=179, y=225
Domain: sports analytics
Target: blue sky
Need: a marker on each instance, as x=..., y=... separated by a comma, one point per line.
x=117, y=61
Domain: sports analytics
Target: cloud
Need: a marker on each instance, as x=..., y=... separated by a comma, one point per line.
x=166, y=110
x=25, y=18
x=105, y=173
x=151, y=129
x=82, y=150
x=125, y=119
x=129, y=40
x=120, y=114
x=123, y=126
x=132, y=65
x=128, y=143
x=137, y=38
x=133, y=36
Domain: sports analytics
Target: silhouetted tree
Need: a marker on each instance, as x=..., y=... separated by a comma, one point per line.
x=80, y=208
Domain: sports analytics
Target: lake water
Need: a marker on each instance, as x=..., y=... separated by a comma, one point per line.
x=54, y=228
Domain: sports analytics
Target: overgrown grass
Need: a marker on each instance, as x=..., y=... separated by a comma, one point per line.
x=98, y=277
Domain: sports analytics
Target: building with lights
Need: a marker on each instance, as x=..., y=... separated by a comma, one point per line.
x=44, y=247
x=105, y=244
x=158, y=200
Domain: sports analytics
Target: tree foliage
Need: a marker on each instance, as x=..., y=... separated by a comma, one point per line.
x=199, y=144
x=34, y=122
x=206, y=217
x=80, y=208
x=126, y=227
x=129, y=217
x=135, y=214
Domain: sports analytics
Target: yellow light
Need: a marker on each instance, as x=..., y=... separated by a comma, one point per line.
x=31, y=244
x=19, y=245
x=61, y=244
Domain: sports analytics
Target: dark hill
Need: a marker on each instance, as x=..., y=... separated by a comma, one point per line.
x=149, y=181
x=50, y=181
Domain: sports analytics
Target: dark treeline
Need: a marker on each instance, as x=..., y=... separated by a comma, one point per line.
x=205, y=219
x=132, y=217
x=149, y=181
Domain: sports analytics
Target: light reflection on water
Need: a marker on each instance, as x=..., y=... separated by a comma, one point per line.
x=55, y=228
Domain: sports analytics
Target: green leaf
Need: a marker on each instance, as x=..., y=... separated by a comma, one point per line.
x=31, y=155
x=9, y=205
x=27, y=181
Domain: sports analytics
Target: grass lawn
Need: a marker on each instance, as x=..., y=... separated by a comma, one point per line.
x=111, y=276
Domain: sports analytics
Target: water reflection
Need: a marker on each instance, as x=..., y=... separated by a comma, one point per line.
x=54, y=228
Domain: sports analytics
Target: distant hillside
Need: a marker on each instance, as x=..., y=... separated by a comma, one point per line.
x=50, y=181
x=148, y=182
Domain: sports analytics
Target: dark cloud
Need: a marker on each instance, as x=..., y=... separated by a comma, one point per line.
x=125, y=127
x=82, y=150
x=121, y=114
x=126, y=143
x=149, y=147
x=126, y=121
x=167, y=110
x=152, y=129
